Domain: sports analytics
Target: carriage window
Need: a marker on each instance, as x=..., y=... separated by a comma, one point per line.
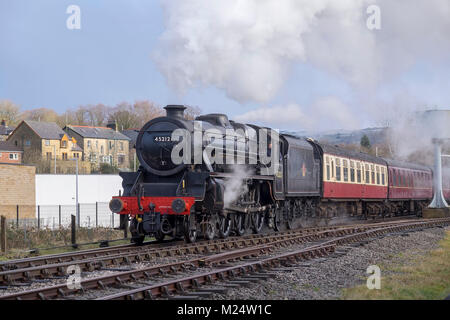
x=358, y=172
x=383, y=181
x=372, y=170
x=352, y=171
x=338, y=169
x=345, y=163
x=378, y=175
x=328, y=167
x=367, y=174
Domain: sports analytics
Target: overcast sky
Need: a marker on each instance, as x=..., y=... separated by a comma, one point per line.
x=292, y=64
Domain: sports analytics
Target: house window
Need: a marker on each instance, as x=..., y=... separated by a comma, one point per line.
x=111, y=145
x=49, y=156
x=121, y=160
x=64, y=156
x=47, y=142
x=89, y=143
x=28, y=143
x=64, y=144
x=13, y=156
x=121, y=146
x=101, y=150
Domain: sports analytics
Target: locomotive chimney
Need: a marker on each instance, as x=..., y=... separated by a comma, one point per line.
x=175, y=111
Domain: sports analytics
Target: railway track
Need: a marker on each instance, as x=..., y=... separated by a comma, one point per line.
x=214, y=261
x=54, y=266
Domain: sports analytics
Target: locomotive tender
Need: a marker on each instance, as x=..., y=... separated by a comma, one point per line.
x=213, y=177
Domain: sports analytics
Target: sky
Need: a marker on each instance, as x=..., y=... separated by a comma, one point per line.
x=293, y=65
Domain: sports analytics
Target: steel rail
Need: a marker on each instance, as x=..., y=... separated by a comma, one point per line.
x=139, y=254
x=147, y=273
x=192, y=282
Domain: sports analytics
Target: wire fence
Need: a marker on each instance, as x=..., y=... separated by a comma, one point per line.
x=92, y=215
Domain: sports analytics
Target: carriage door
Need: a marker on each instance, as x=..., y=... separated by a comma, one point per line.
x=279, y=174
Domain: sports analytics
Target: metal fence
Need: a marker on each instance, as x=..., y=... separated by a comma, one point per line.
x=92, y=215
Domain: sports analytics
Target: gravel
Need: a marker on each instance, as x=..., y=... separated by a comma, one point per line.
x=325, y=278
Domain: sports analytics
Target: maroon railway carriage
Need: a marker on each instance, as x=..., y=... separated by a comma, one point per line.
x=410, y=186
x=353, y=183
x=353, y=175
x=446, y=184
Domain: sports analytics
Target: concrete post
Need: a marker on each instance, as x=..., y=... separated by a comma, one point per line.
x=3, y=234
x=438, y=198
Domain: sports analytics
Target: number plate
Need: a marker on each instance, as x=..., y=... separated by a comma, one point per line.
x=162, y=139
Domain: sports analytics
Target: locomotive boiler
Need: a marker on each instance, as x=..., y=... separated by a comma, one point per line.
x=179, y=189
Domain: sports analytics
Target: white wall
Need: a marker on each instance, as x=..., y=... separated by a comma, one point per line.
x=59, y=189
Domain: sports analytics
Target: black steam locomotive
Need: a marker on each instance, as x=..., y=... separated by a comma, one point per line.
x=213, y=177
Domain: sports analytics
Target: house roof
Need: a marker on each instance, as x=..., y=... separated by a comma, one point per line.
x=7, y=146
x=76, y=147
x=97, y=132
x=5, y=130
x=46, y=130
x=132, y=134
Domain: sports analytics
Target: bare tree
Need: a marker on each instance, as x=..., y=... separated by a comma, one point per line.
x=124, y=116
x=191, y=112
x=9, y=111
x=40, y=114
x=146, y=110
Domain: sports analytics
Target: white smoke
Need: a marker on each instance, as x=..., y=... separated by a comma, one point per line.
x=235, y=186
x=328, y=112
x=247, y=47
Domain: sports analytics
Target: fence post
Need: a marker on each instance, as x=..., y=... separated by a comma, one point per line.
x=59, y=215
x=3, y=234
x=74, y=236
x=96, y=214
x=39, y=217
x=79, y=215
x=125, y=227
x=17, y=218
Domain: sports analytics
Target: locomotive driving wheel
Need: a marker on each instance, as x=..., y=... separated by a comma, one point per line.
x=239, y=223
x=190, y=227
x=289, y=217
x=209, y=228
x=257, y=221
x=159, y=236
x=223, y=226
x=277, y=219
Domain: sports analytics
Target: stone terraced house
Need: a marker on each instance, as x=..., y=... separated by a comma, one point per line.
x=101, y=145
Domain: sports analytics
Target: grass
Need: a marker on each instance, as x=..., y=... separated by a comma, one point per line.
x=19, y=242
x=425, y=278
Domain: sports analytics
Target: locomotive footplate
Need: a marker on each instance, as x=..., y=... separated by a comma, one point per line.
x=151, y=222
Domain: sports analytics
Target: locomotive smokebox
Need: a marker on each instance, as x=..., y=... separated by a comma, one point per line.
x=175, y=111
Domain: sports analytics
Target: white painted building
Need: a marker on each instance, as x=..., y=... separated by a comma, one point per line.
x=56, y=198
